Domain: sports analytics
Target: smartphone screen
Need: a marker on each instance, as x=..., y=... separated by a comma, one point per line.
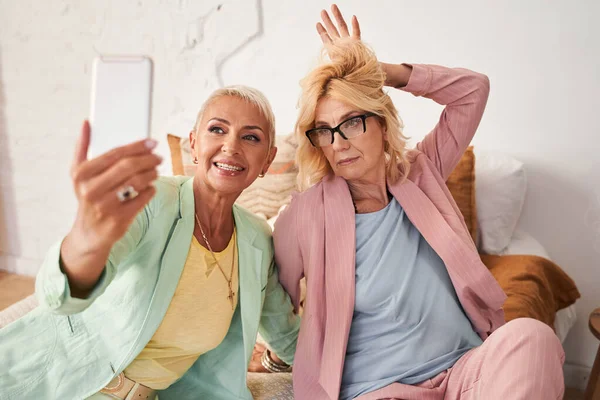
x=121, y=102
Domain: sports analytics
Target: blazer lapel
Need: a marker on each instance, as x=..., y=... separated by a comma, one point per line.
x=431, y=224
x=250, y=260
x=473, y=287
x=340, y=244
x=172, y=265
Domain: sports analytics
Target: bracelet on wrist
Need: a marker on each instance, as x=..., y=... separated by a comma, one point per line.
x=270, y=365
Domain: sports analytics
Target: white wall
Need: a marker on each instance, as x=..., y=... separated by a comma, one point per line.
x=541, y=56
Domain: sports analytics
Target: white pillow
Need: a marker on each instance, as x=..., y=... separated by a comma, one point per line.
x=523, y=243
x=500, y=186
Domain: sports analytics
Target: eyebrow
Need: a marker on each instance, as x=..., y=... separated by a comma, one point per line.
x=228, y=123
x=342, y=119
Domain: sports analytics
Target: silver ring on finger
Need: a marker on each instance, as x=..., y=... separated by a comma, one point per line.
x=126, y=193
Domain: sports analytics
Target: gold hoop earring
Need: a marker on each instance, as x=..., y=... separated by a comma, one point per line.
x=195, y=160
x=261, y=175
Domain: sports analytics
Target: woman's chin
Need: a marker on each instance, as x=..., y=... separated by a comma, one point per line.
x=350, y=174
x=361, y=171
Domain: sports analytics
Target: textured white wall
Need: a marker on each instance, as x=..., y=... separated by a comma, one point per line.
x=541, y=56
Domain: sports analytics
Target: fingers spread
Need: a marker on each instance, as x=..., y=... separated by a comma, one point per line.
x=323, y=33
x=339, y=18
x=355, y=28
x=331, y=29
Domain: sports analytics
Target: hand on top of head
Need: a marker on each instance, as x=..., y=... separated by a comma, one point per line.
x=342, y=46
x=330, y=34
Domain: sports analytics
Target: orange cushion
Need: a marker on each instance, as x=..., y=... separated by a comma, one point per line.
x=175, y=150
x=536, y=287
x=461, y=184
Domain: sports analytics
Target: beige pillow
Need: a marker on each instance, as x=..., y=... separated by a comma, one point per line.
x=266, y=195
x=181, y=155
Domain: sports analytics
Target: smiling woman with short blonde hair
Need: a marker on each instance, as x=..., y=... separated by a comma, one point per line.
x=162, y=284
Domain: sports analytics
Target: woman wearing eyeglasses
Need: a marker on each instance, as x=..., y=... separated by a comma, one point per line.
x=398, y=303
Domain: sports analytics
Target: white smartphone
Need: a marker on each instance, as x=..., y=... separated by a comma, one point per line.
x=121, y=102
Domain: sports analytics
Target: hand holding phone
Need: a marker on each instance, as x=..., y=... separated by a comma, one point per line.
x=113, y=168
x=103, y=217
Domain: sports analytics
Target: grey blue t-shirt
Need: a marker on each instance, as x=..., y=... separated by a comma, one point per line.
x=408, y=324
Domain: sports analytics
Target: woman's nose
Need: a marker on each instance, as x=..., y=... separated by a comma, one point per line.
x=339, y=143
x=231, y=144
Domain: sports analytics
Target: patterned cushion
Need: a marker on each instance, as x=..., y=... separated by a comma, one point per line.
x=17, y=310
x=265, y=386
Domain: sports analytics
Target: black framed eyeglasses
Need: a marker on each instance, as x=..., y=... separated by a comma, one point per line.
x=348, y=129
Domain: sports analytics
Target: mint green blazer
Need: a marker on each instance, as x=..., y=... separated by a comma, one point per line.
x=70, y=348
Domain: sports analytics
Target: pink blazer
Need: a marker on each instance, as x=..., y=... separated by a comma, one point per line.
x=315, y=235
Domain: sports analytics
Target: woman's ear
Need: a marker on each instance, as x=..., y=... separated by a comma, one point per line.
x=270, y=158
x=193, y=146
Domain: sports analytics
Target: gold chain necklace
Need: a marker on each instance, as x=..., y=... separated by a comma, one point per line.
x=230, y=279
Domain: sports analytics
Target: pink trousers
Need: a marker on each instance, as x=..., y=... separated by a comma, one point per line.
x=522, y=360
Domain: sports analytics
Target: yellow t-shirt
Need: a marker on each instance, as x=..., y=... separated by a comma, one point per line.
x=196, y=321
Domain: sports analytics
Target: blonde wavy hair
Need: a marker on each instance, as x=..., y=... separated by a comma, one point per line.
x=354, y=76
x=248, y=94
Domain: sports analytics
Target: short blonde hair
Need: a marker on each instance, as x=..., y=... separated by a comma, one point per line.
x=246, y=93
x=354, y=76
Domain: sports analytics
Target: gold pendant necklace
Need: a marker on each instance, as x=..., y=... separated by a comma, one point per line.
x=229, y=280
